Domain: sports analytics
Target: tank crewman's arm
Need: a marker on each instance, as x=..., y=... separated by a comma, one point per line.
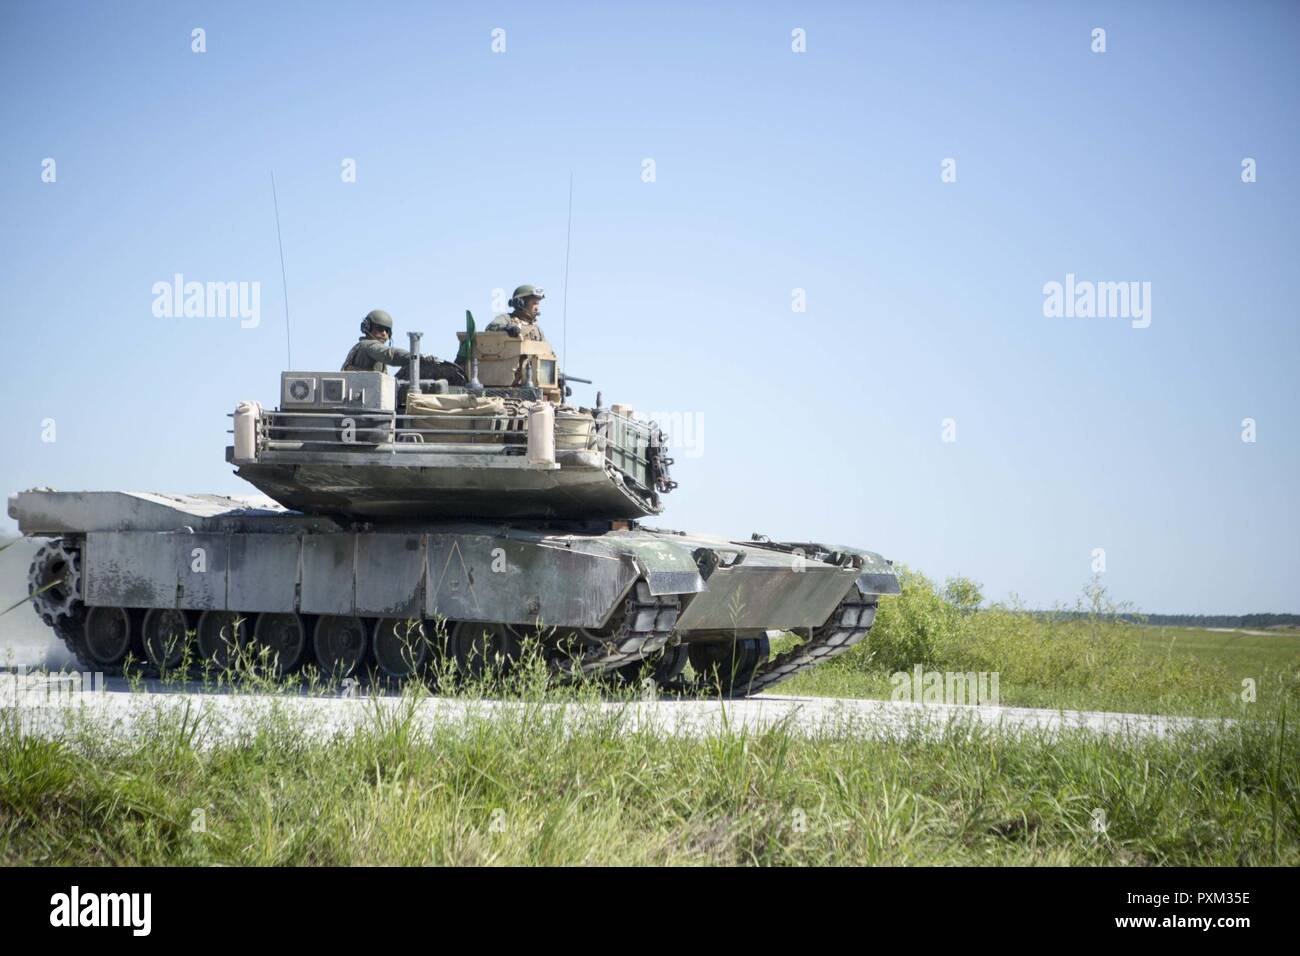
x=504, y=323
x=377, y=353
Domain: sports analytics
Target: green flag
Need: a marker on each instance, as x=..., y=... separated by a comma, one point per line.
x=467, y=343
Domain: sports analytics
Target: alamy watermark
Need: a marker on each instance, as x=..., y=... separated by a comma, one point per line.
x=683, y=431
x=209, y=300
x=128, y=910
x=920, y=686
x=19, y=685
x=1084, y=299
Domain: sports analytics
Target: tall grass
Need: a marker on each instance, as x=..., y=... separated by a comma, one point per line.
x=528, y=786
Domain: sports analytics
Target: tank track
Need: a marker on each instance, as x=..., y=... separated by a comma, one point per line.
x=646, y=626
x=848, y=625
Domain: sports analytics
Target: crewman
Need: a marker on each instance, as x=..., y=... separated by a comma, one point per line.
x=372, y=353
x=521, y=321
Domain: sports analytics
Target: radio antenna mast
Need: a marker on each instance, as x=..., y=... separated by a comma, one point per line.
x=568, y=232
x=288, y=348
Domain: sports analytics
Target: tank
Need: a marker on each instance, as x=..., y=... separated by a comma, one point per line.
x=478, y=505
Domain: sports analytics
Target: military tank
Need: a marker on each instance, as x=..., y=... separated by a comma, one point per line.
x=481, y=507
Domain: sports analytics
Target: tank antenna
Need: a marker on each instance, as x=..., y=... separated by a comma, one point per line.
x=288, y=348
x=568, y=232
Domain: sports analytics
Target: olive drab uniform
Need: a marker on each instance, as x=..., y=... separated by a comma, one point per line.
x=373, y=355
x=526, y=328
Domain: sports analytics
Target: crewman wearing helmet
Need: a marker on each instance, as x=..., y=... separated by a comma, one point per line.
x=521, y=321
x=372, y=353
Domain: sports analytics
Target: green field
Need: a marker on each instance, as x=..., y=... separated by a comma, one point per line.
x=1242, y=654
x=1172, y=671
x=1093, y=662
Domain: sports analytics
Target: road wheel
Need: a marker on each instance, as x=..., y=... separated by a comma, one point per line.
x=221, y=635
x=165, y=632
x=285, y=639
x=401, y=647
x=728, y=665
x=663, y=667
x=340, y=644
x=482, y=649
x=108, y=635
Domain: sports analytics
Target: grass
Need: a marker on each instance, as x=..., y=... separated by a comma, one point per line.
x=527, y=787
x=1240, y=654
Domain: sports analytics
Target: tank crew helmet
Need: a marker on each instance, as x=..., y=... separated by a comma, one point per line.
x=523, y=292
x=378, y=319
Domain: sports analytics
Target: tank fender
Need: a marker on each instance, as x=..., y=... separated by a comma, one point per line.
x=668, y=567
x=876, y=575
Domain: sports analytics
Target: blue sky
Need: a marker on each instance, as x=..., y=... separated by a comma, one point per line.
x=774, y=171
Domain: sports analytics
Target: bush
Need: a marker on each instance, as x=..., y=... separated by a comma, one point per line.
x=963, y=594
x=916, y=627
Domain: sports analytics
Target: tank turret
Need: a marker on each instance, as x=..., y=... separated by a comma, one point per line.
x=368, y=445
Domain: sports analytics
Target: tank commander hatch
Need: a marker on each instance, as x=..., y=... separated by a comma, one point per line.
x=372, y=353
x=521, y=321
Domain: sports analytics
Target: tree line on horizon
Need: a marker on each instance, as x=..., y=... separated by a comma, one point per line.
x=1251, y=621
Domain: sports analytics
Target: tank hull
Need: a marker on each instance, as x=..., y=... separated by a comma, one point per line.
x=142, y=552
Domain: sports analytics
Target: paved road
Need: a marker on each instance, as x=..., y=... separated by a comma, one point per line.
x=45, y=708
